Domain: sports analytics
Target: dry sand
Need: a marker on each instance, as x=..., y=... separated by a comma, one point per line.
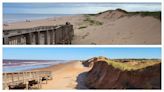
x=116, y=28
x=66, y=76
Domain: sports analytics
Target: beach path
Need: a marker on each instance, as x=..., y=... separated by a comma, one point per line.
x=67, y=76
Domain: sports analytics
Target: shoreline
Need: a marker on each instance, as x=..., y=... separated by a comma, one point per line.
x=16, y=20
x=52, y=66
x=44, y=65
x=64, y=76
x=116, y=27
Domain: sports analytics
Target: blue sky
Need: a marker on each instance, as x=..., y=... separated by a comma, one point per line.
x=79, y=53
x=75, y=8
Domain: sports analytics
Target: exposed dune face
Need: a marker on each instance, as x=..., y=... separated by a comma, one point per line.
x=110, y=27
x=105, y=76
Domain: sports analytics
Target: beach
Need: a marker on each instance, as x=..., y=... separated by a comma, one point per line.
x=110, y=27
x=91, y=73
x=86, y=51
x=68, y=75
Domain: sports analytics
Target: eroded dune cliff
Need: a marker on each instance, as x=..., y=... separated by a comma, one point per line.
x=108, y=75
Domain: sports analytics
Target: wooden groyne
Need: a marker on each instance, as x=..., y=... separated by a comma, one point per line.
x=62, y=34
x=25, y=80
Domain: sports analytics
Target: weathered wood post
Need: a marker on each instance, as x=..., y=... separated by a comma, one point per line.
x=19, y=39
x=6, y=40
x=54, y=38
x=12, y=77
x=22, y=39
x=18, y=75
x=51, y=36
x=37, y=37
x=58, y=35
x=29, y=38
x=27, y=86
x=70, y=32
x=6, y=87
x=46, y=76
x=38, y=75
x=16, y=42
x=63, y=34
x=46, y=37
x=23, y=77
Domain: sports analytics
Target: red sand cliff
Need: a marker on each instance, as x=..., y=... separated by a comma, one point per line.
x=105, y=76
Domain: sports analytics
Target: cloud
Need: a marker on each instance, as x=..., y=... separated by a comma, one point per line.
x=76, y=8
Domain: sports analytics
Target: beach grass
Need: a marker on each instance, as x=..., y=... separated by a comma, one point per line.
x=91, y=21
x=155, y=14
x=82, y=27
x=127, y=66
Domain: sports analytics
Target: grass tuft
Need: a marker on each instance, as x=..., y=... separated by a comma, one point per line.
x=155, y=14
x=91, y=21
x=129, y=67
x=82, y=27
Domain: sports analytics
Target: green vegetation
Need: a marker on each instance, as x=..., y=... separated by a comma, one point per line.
x=128, y=67
x=121, y=10
x=81, y=27
x=131, y=65
x=91, y=14
x=156, y=14
x=91, y=21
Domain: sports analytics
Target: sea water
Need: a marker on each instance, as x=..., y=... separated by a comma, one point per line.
x=8, y=18
x=17, y=66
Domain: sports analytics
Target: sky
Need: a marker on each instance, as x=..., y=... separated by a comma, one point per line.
x=79, y=53
x=75, y=8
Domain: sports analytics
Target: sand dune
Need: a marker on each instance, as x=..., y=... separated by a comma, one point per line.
x=111, y=27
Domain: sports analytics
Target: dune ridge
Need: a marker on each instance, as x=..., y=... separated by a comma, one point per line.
x=109, y=27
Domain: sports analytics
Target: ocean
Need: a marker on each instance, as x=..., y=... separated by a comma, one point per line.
x=21, y=65
x=9, y=18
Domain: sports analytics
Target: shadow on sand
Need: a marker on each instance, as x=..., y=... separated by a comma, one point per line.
x=81, y=81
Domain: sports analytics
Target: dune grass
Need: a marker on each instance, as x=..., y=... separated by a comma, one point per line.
x=156, y=14
x=82, y=27
x=127, y=66
x=91, y=21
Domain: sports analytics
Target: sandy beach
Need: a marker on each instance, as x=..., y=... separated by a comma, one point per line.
x=66, y=76
x=94, y=73
x=110, y=27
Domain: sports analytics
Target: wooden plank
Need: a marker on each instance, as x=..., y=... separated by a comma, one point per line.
x=63, y=34
x=24, y=77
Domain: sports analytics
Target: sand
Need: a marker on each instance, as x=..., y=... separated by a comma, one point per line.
x=66, y=76
x=116, y=28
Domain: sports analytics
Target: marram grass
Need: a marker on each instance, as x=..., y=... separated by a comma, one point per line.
x=127, y=66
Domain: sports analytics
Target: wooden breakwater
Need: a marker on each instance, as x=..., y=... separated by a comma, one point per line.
x=25, y=80
x=61, y=34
